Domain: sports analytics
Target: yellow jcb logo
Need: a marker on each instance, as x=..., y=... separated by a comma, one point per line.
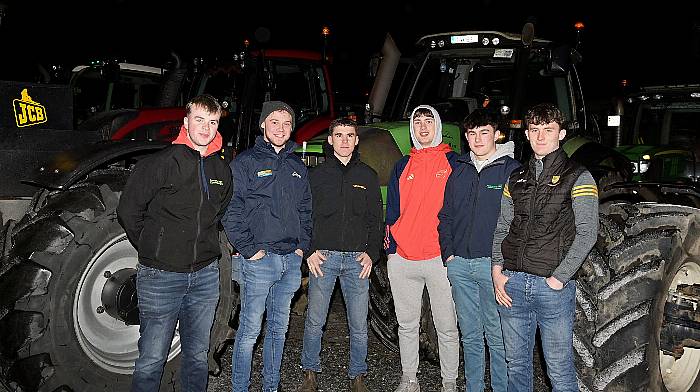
x=28, y=112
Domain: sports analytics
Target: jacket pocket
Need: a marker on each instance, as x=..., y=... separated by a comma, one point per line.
x=359, y=200
x=159, y=241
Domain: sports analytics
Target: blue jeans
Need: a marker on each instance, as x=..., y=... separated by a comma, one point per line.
x=164, y=298
x=535, y=304
x=341, y=265
x=267, y=284
x=477, y=315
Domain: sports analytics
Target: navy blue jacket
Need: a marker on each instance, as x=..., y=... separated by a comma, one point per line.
x=471, y=207
x=271, y=204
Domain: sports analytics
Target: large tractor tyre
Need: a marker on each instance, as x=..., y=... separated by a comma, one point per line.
x=382, y=317
x=644, y=251
x=67, y=295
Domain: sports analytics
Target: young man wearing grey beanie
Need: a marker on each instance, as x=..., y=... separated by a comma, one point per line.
x=269, y=222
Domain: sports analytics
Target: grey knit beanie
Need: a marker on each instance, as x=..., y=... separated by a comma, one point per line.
x=273, y=106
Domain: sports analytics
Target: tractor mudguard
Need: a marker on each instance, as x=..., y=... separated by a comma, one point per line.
x=69, y=167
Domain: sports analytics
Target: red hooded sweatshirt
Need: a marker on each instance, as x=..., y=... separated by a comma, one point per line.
x=421, y=189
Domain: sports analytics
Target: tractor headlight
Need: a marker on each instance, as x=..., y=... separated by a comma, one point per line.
x=640, y=166
x=643, y=166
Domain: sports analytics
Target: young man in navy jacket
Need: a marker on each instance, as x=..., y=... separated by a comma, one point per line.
x=269, y=223
x=467, y=222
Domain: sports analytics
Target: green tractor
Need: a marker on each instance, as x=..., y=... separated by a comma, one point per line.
x=637, y=321
x=657, y=128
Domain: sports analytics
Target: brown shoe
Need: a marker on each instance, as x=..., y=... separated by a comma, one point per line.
x=309, y=384
x=358, y=384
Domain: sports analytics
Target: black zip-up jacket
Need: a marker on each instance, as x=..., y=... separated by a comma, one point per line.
x=347, y=206
x=171, y=207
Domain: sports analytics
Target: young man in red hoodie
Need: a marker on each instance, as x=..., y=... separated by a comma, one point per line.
x=414, y=198
x=170, y=208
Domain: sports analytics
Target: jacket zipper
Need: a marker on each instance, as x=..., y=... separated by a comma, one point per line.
x=199, y=211
x=476, y=204
x=342, y=198
x=521, y=253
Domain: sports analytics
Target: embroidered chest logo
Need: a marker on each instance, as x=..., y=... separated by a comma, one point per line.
x=555, y=181
x=297, y=175
x=265, y=173
x=410, y=176
x=359, y=186
x=441, y=173
x=216, y=182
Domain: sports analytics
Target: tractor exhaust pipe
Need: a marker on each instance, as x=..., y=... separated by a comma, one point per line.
x=382, y=82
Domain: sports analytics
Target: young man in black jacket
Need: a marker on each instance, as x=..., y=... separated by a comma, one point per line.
x=170, y=208
x=269, y=223
x=347, y=237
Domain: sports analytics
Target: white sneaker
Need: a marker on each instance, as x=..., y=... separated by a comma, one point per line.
x=449, y=387
x=407, y=385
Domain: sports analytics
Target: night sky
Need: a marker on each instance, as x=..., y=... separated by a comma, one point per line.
x=661, y=46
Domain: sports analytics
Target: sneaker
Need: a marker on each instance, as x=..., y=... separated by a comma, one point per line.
x=407, y=385
x=357, y=384
x=309, y=384
x=449, y=387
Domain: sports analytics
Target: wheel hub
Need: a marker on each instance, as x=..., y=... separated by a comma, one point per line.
x=103, y=308
x=119, y=296
x=679, y=357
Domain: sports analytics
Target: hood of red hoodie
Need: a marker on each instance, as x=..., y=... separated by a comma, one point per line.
x=212, y=147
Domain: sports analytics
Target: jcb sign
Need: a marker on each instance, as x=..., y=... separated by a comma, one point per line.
x=28, y=112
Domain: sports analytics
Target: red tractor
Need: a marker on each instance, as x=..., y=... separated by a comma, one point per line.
x=68, y=307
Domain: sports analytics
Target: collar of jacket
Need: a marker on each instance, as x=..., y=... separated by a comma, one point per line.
x=550, y=162
x=212, y=147
x=330, y=156
x=266, y=147
x=466, y=158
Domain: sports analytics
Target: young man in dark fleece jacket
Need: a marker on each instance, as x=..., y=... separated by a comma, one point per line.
x=170, y=208
x=347, y=237
x=269, y=223
x=467, y=222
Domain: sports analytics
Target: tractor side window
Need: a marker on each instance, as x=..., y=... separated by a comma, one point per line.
x=303, y=87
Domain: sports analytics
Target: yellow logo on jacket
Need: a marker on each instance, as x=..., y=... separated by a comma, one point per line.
x=265, y=173
x=28, y=112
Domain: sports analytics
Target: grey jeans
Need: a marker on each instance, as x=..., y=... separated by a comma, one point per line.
x=408, y=278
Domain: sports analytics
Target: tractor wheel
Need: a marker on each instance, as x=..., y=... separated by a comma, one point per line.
x=382, y=317
x=644, y=251
x=68, y=305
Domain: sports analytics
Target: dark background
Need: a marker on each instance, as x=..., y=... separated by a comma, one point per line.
x=653, y=42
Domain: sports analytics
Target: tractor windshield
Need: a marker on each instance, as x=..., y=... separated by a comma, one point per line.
x=99, y=89
x=458, y=81
x=667, y=124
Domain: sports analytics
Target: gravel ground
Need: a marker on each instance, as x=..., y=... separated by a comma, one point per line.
x=384, y=365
